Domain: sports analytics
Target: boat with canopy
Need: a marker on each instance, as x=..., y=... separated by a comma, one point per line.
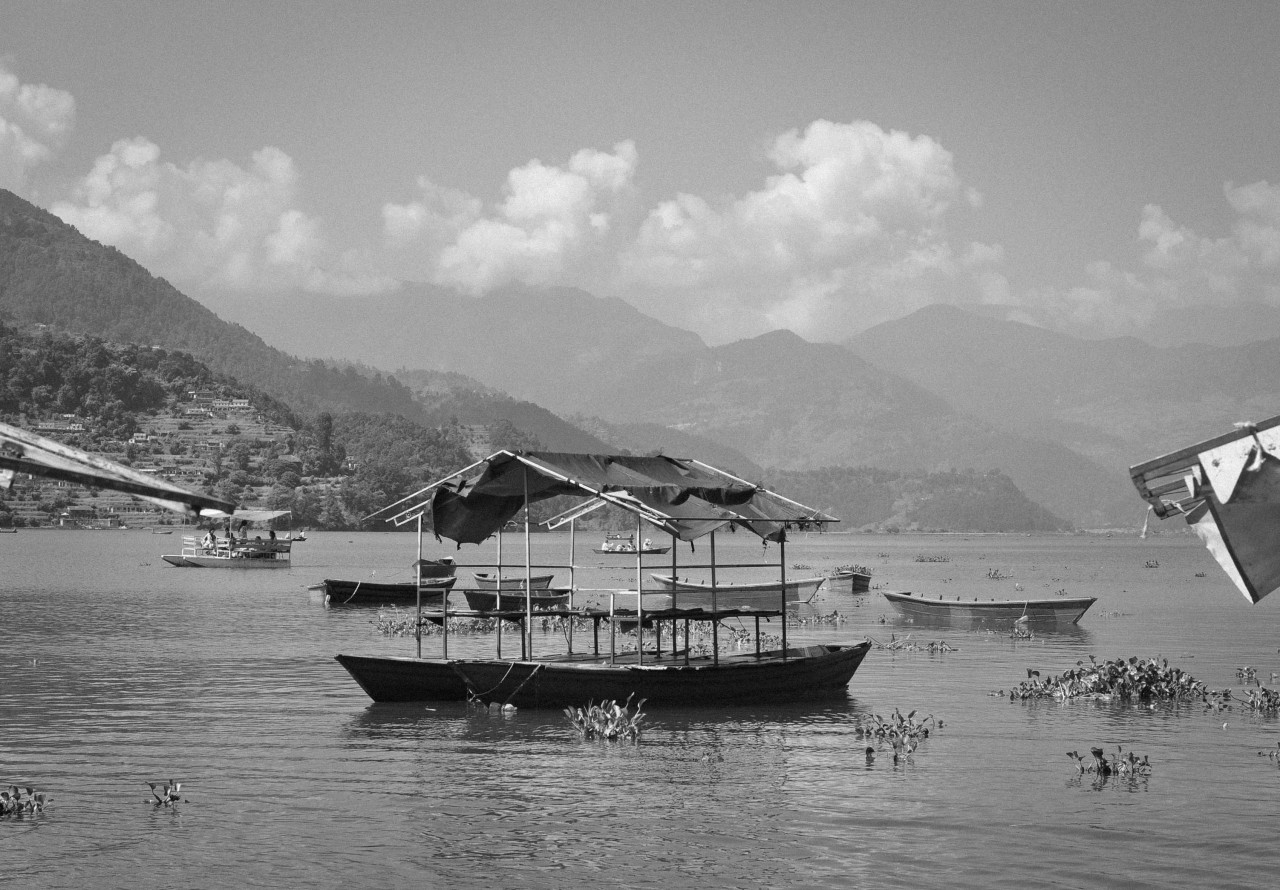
x=1228, y=490
x=684, y=498
x=237, y=550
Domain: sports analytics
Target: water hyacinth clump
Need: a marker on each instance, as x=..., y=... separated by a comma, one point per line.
x=1123, y=764
x=607, y=720
x=166, y=795
x=1135, y=678
x=906, y=644
x=902, y=734
x=923, y=557
x=17, y=802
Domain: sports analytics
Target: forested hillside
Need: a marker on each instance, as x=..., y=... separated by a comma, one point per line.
x=51, y=274
x=164, y=412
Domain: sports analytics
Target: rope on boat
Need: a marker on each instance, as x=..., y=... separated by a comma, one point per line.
x=479, y=696
x=353, y=593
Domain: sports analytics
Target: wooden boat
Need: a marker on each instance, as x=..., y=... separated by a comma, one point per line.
x=959, y=612
x=849, y=579
x=513, y=598
x=626, y=544
x=254, y=554
x=686, y=498
x=739, y=679
x=762, y=595
x=8, y=530
x=378, y=593
x=237, y=551
x=512, y=582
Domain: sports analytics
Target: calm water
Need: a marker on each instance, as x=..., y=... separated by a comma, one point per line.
x=117, y=669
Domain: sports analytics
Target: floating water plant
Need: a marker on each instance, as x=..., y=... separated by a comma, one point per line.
x=18, y=802
x=997, y=575
x=933, y=558
x=1123, y=764
x=906, y=644
x=607, y=720
x=1132, y=679
x=166, y=796
x=902, y=734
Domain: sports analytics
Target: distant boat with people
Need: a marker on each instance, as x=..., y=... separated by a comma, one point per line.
x=626, y=544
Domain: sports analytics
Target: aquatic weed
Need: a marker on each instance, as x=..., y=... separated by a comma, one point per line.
x=18, y=802
x=607, y=720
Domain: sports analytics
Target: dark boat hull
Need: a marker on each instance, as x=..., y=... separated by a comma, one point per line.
x=737, y=680
x=849, y=582
x=1043, y=613
x=487, y=600
x=365, y=593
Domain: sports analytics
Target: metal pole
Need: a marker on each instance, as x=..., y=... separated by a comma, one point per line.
x=528, y=571
x=498, y=595
x=715, y=621
x=639, y=597
x=782, y=566
x=572, y=541
x=418, y=570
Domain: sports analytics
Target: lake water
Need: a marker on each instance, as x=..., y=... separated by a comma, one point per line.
x=116, y=669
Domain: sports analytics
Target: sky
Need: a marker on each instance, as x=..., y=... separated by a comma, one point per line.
x=726, y=167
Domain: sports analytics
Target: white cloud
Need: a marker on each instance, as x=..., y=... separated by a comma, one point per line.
x=850, y=232
x=212, y=224
x=553, y=226
x=1178, y=268
x=34, y=122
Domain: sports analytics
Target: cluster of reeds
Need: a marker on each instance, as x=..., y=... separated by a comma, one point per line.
x=1135, y=678
x=835, y=619
x=933, y=558
x=166, y=796
x=396, y=622
x=1260, y=700
x=902, y=734
x=607, y=720
x=1123, y=764
x=18, y=802
x=906, y=644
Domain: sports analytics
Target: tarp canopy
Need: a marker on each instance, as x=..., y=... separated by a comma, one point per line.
x=25, y=452
x=1228, y=488
x=686, y=498
x=257, y=515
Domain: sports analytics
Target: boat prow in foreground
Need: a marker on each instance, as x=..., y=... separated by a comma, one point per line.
x=744, y=678
x=1059, y=612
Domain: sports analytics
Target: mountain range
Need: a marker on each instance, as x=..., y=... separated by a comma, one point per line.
x=943, y=389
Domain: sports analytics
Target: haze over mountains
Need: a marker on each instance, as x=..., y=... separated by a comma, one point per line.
x=941, y=389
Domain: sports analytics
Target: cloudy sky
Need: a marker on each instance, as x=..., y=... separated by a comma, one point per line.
x=726, y=167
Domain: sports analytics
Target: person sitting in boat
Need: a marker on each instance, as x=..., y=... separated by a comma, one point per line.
x=647, y=543
x=209, y=542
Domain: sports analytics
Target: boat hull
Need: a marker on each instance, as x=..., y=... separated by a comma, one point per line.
x=367, y=593
x=849, y=582
x=739, y=679
x=226, y=562
x=696, y=595
x=977, y=613
x=487, y=600
x=486, y=581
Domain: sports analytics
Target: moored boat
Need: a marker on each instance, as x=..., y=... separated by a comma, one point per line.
x=377, y=593
x=686, y=498
x=738, y=679
x=626, y=544
x=849, y=579
x=761, y=595
x=513, y=582
x=514, y=598
x=961, y=612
